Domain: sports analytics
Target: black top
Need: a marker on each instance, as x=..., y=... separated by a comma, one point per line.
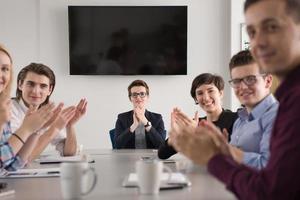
x=126, y=140
x=225, y=120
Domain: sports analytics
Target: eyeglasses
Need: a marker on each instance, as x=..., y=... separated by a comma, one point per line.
x=136, y=94
x=248, y=80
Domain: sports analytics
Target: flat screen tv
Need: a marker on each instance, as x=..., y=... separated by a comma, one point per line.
x=128, y=40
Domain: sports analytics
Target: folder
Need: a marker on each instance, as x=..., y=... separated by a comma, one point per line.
x=33, y=173
x=176, y=179
x=56, y=159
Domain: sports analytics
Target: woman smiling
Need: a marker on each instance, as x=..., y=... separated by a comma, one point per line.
x=207, y=90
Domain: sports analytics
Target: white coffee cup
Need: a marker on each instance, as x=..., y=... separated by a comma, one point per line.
x=74, y=179
x=149, y=174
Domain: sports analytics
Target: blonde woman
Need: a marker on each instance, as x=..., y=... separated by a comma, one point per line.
x=16, y=147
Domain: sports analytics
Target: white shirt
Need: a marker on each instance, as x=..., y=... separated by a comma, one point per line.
x=18, y=112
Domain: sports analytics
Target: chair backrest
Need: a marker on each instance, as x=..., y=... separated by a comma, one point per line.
x=165, y=134
x=112, y=138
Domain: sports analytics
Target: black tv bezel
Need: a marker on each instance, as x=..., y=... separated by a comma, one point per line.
x=127, y=6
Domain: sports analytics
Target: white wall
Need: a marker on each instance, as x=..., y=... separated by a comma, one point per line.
x=37, y=30
x=237, y=17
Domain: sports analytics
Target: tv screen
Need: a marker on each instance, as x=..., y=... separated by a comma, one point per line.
x=128, y=40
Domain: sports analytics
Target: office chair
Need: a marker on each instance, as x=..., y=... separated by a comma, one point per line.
x=112, y=138
x=164, y=134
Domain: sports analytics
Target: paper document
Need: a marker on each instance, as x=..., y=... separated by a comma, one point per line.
x=4, y=193
x=49, y=159
x=30, y=173
x=176, y=178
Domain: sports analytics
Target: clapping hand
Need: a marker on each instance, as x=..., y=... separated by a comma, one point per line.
x=56, y=113
x=196, y=119
x=135, y=123
x=36, y=118
x=180, y=124
x=64, y=117
x=140, y=114
x=79, y=112
x=225, y=134
x=199, y=143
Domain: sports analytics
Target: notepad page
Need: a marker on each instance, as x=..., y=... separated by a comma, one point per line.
x=175, y=178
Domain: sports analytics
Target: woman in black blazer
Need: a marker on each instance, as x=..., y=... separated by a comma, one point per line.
x=207, y=90
x=139, y=128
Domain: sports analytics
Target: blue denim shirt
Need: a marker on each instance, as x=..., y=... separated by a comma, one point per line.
x=252, y=131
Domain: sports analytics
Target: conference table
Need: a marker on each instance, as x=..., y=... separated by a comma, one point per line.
x=112, y=166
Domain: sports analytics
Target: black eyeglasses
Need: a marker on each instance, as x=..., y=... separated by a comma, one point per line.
x=248, y=80
x=136, y=94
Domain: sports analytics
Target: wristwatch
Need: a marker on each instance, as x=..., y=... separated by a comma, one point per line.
x=148, y=124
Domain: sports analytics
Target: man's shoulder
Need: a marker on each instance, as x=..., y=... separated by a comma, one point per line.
x=154, y=114
x=271, y=107
x=229, y=114
x=268, y=117
x=16, y=105
x=125, y=114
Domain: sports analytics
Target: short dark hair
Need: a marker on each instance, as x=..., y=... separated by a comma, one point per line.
x=39, y=69
x=240, y=59
x=138, y=83
x=292, y=7
x=206, y=78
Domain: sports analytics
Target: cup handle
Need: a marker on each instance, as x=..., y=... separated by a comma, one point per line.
x=169, y=170
x=92, y=170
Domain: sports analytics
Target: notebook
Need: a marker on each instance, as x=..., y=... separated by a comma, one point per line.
x=55, y=159
x=177, y=179
x=33, y=173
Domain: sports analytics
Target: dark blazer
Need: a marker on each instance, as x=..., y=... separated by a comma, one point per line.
x=124, y=139
x=226, y=120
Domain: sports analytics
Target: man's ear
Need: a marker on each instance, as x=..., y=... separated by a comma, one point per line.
x=221, y=93
x=269, y=81
x=19, y=84
x=50, y=90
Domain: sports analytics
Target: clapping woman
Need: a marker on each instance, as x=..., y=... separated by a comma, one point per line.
x=207, y=90
x=16, y=147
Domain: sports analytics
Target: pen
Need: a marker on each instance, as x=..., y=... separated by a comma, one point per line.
x=180, y=184
x=51, y=162
x=58, y=162
x=172, y=187
x=53, y=172
x=20, y=174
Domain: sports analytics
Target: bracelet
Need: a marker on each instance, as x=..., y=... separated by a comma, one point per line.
x=18, y=138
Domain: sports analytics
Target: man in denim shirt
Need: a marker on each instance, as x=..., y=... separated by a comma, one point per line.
x=251, y=132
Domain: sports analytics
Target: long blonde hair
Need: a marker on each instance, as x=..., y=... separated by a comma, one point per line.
x=7, y=90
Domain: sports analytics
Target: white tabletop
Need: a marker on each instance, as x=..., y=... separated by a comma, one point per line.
x=112, y=166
